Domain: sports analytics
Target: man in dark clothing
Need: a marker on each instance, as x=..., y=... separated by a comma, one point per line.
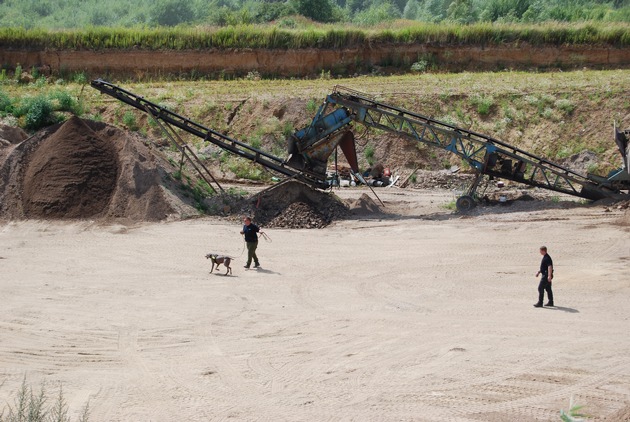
x=251, y=239
x=546, y=269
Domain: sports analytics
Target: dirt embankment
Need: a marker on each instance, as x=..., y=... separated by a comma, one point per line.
x=308, y=62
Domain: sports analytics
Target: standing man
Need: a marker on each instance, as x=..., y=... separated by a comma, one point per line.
x=251, y=239
x=546, y=269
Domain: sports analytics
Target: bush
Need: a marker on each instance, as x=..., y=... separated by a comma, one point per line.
x=5, y=102
x=420, y=66
x=129, y=119
x=369, y=154
x=483, y=104
x=38, y=112
x=565, y=105
x=65, y=101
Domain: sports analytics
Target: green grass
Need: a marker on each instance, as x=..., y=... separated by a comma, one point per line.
x=369, y=154
x=322, y=36
x=450, y=205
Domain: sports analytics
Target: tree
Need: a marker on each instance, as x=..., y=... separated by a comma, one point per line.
x=318, y=10
x=461, y=11
x=377, y=13
x=411, y=10
x=172, y=12
x=434, y=10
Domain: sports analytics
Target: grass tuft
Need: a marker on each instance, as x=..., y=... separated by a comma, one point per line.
x=29, y=406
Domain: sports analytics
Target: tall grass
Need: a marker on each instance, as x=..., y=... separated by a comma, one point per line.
x=30, y=406
x=326, y=36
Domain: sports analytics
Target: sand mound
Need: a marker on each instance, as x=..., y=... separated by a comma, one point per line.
x=87, y=170
x=72, y=174
x=11, y=135
x=364, y=206
x=293, y=204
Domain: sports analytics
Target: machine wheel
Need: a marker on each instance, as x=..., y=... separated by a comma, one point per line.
x=465, y=203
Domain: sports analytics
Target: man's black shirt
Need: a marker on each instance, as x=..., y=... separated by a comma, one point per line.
x=545, y=264
x=250, y=232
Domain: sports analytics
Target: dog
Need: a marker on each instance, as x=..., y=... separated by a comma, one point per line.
x=218, y=260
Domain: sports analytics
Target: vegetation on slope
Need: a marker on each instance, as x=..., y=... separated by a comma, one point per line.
x=554, y=115
x=323, y=36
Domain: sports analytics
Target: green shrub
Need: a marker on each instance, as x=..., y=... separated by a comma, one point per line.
x=129, y=120
x=65, y=102
x=420, y=66
x=38, y=112
x=245, y=170
x=6, y=104
x=256, y=143
x=483, y=104
x=287, y=129
x=369, y=154
x=312, y=106
x=565, y=105
x=80, y=78
x=18, y=72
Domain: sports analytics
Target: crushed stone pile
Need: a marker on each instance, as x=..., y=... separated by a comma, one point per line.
x=82, y=169
x=443, y=179
x=299, y=215
x=294, y=204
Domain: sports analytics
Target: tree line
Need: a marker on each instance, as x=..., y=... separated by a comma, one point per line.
x=73, y=14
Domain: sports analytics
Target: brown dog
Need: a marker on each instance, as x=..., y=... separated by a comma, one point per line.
x=218, y=260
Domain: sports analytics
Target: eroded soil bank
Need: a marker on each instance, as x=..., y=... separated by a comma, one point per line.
x=310, y=62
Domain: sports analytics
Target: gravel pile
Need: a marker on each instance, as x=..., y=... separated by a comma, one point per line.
x=296, y=205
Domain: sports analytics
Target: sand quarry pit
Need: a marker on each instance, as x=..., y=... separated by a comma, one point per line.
x=402, y=312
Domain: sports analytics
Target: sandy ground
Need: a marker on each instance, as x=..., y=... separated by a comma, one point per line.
x=423, y=317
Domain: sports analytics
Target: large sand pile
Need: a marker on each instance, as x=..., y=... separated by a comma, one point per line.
x=86, y=170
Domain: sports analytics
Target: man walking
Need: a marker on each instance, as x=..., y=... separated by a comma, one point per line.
x=251, y=239
x=546, y=269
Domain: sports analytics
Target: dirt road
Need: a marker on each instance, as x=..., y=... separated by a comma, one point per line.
x=425, y=316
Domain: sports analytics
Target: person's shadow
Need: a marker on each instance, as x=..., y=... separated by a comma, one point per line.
x=563, y=309
x=262, y=270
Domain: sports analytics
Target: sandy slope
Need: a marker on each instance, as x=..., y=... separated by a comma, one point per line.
x=424, y=317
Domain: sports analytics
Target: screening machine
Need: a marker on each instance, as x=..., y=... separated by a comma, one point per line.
x=310, y=148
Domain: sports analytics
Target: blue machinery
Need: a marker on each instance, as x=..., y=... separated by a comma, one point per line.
x=310, y=148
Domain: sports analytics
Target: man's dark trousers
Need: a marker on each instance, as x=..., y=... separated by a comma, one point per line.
x=544, y=285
